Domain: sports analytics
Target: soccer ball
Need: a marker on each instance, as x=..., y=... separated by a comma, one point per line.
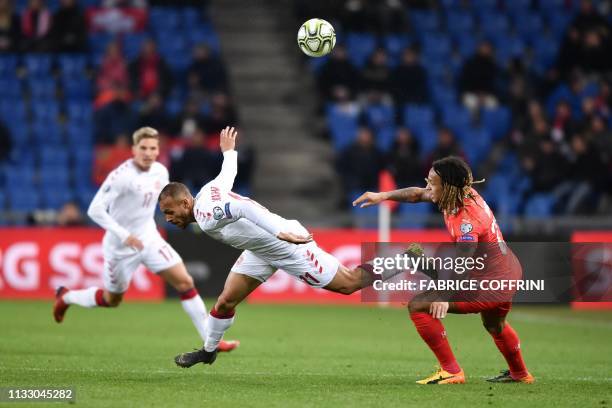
x=316, y=37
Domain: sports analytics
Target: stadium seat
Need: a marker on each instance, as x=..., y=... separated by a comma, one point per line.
x=413, y=215
x=424, y=22
x=42, y=88
x=418, y=116
x=38, y=65
x=47, y=132
x=529, y=26
x=497, y=121
x=458, y=22
x=436, y=46
x=479, y=141
x=427, y=137
x=54, y=177
x=540, y=205
x=79, y=112
x=20, y=176
x=54, y=198
x=23, y=200
x=84, y=195
x=385, y=137
x=11, y=89
x=456, y=117
x=8, y=65
x=494, y=25
x=80, y=134
x=45, y=110
x=77, y=89
x=132, y=43
x=395, y=44
x=162, y=18
x=72, y=65
x=360, y=46
x=380, y=116
x=343, y=125
x=53, y=156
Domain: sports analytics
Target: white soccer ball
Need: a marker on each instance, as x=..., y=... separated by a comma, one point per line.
x=316, y=37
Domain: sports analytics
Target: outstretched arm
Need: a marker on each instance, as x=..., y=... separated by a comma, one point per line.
x=406, y=195
x=97, y=211
x=229, y=168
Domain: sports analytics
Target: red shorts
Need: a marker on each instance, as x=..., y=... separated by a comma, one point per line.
x=500, y=309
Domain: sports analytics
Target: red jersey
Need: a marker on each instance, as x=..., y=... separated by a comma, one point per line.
x=475, y=222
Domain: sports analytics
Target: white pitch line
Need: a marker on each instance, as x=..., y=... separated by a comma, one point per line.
x=554, y=320
x=179, y=371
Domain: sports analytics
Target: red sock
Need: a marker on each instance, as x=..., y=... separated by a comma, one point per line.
x=100, y=301
x=509, y=345
x=433, y=333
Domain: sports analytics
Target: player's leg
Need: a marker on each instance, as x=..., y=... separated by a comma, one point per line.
x=177, y=277
x=237, y=287
x=433, y=333
x=247, y=274
x=116, y=276
x=508, y=343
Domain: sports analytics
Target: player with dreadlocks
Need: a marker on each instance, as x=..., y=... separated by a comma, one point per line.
x=470, y=222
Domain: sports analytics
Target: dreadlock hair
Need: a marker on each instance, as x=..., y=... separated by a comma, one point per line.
x=457, y=181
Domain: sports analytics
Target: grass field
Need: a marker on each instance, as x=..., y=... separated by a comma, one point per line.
x=317, y=356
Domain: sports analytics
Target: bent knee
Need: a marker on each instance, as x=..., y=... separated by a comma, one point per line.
x=416, y=306
x=225, y=304
x=184, y=285
x=494, y=328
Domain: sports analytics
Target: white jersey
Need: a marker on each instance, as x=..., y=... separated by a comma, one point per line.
x=239, y=221
x=125, y=203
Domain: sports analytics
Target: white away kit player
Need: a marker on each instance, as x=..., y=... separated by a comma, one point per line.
x=124, y=206
x=269, y=242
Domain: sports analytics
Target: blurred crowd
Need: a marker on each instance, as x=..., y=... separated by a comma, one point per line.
x=122, y=80
x=558, y=135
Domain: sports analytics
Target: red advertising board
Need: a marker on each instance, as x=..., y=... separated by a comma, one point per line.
x=35, y=261
x=344, y=244
x=592, y=266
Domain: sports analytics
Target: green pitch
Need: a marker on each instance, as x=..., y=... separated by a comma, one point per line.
x=313, y=356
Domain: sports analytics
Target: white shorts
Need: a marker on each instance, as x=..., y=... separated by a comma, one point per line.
x=310, y=264
x=120, y=263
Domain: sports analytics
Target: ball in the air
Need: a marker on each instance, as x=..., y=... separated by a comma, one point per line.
x=316, y=37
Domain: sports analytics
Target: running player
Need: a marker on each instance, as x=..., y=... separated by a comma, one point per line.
x=124, y=206
x=269, y=242
x=469, y=220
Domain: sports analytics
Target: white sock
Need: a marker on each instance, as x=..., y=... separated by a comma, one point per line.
x=83, y=297
x=194, y=306
x=216, y=328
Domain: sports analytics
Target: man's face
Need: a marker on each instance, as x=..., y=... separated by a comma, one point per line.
x=145, y=153
x=176, y=211
x=434, y=184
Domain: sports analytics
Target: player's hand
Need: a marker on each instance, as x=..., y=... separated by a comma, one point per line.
x=133, y=242
x=438, y=310
x=368, y=199
x=228, y=139
x=294, y=238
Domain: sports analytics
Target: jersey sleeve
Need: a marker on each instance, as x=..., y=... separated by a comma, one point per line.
x=467, y=230
x=229, y=170
x=98, y=208
x=255, y=213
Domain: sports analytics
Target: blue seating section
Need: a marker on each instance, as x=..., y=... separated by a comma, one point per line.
x=47, y=104
x=446, y=37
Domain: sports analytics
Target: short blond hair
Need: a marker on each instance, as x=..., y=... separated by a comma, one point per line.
x=144, y=133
